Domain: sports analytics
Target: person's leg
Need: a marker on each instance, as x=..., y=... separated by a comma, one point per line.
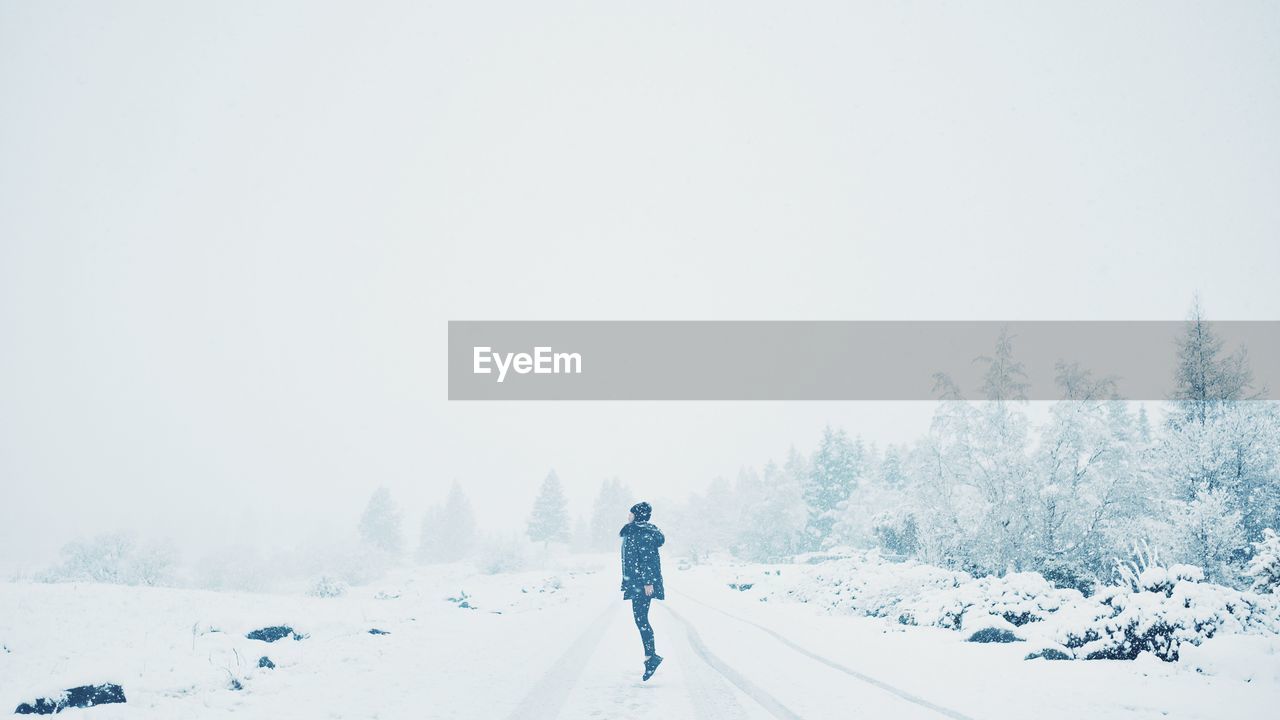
x=640, y=611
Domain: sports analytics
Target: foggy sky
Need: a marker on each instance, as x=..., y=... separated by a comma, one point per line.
x=231, y=233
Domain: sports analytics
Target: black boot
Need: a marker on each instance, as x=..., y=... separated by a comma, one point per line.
x=651, y=666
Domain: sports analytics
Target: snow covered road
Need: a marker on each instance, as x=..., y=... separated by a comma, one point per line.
x=807, y=675
x=556, y=643
x=718, y=666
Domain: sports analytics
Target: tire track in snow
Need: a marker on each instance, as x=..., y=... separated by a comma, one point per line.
x=909, y=697
x=712, y=695
x=748, y=688
x=547, y=697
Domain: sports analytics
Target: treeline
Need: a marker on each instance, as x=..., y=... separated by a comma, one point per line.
x=988, y=491
x=448, y=532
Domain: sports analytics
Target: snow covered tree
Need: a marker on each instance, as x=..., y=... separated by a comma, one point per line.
x=874, y=513
x=609, y=513
x=104, y=558
x=549, y=521
x=380, y=524
x=972, y=472
x=710, y=519
x=1088, y=485
x=774, y=526
x=1264, y=568
x=1144, y=426
x=796, y=469
x=1205, y=379
x=580, y=539
x=1005, y=379
x=892, y=474
x=896, y=532
x=153, y=564
x=748, y=491
x=448, y=531
x=1213, y=537
x=117, y=558
x=833, y=473
x=1219, y=455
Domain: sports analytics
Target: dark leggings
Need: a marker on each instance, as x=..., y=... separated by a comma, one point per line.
x=640, y=611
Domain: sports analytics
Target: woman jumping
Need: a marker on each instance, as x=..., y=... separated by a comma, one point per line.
x=642, y=575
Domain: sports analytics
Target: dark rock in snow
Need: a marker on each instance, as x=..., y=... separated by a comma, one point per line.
x=274, y=633
x=235, y=684
x=1048, y=654
x=77, y=697
x=993, y=635
x=741, y=586
x=42, y=706
x=265, y=662
x=376, y=631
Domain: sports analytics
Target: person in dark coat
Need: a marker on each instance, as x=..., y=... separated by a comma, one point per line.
x=642, y=575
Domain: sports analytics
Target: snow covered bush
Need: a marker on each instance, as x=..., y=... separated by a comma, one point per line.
x=502, y=554
x=863, y=584
x=1153, y=609
x=113, y=558
x=993, y=635
x=1017, y=598
x=327, y=587
x=1158, y=610
x=917, y=594
x=1264, y=568
x=350, y=563
x=896, y=532
x=339, y=556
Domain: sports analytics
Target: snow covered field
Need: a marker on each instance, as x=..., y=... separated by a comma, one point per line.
x=559, y=642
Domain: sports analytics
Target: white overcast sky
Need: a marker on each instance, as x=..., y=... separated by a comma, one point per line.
x=231, y=233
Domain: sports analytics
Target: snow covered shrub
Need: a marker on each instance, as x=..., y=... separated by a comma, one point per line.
x=1157, y=610
x=327, y=587
x=917, y=594
x=1264, y=568
x=355, y=564
x=113, y=558
x=502, y=554
x=236, y=567
x=870, y=586
x=896, y=532
x=1070, y=575
x=1153, y=608
x=1017, y=598
x=1048, y=654
x=993, y=635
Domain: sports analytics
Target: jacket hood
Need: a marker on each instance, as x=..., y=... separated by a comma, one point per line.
x=636, y=527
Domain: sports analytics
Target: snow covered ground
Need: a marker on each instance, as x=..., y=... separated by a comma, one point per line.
x=559, y=643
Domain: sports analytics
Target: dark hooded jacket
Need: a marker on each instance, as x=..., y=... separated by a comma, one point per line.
x=640, y=562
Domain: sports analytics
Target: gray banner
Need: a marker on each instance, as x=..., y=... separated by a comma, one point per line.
x=820, y=360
